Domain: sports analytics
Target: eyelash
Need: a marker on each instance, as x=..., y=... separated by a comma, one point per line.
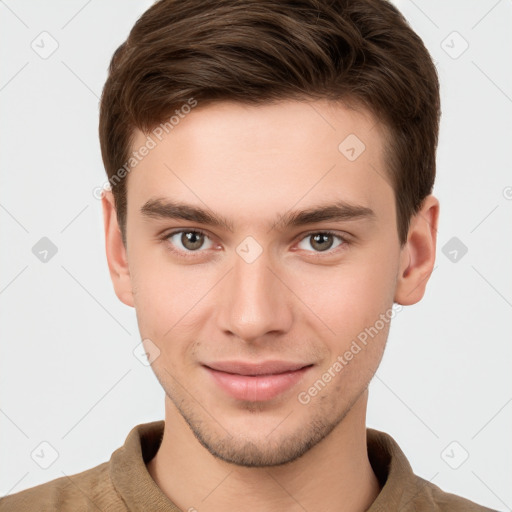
x=317, y=254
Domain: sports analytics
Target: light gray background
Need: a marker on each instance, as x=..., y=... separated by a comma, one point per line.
x=68, y=375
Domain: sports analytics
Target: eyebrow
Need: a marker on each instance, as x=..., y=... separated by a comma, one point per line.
x=160, y=208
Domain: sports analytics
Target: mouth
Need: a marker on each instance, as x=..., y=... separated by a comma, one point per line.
x=256, y=382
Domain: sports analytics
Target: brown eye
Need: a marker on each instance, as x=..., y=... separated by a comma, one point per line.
x=320, y=241
x=189, y=241
x=192, y=240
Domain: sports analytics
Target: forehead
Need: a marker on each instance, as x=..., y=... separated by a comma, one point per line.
x=245, y=160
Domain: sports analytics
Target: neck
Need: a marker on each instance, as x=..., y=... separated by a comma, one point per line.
x=333, y=475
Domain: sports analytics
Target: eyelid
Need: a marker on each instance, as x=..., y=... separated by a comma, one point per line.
x=186, y=230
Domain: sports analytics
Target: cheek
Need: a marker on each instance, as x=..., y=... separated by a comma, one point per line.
x=350, y=296
x=159, y=296
x=163, y=311
x=173, y=303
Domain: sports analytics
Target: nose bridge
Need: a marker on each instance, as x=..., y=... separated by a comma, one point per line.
x=257, y=302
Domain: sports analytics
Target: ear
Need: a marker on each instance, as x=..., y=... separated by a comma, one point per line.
x=417, y=256
x=116, y=251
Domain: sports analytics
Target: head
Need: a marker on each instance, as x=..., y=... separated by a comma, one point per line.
x=271, y=166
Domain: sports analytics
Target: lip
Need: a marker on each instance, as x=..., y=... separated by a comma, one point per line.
x=256, y=382
x=251, y=369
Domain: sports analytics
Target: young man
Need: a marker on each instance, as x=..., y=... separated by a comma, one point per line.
x=271, y=165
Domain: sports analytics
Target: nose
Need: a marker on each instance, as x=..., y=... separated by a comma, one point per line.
x=256, y=302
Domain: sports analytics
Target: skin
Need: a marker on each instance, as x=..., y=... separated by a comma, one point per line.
x=295, y=302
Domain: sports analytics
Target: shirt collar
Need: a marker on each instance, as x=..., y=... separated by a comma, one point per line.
x=139, y=491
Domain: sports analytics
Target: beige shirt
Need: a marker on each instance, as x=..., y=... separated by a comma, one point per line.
x=123, y=483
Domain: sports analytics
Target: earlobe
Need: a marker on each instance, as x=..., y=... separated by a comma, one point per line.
x=116, y=251
x=418, y=255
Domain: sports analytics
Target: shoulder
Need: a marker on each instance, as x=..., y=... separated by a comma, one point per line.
x=425, y=495
x=401, y=488
x=91, y=489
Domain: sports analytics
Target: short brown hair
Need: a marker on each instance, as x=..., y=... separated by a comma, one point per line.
x=256, y=51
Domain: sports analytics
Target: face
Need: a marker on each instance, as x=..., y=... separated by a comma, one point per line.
x=261, y=246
